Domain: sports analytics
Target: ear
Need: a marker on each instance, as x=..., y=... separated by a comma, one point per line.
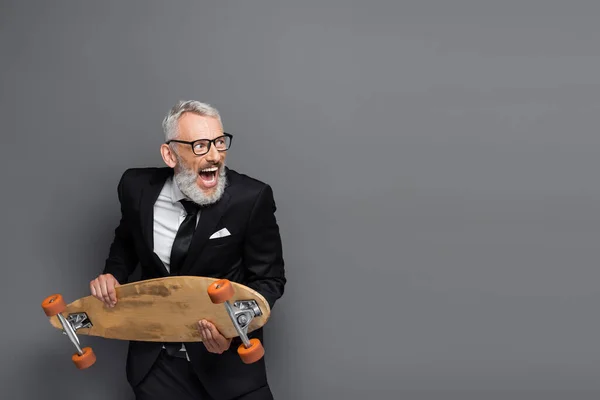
x=167, y=154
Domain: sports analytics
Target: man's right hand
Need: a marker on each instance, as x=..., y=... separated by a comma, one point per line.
x=103, y=288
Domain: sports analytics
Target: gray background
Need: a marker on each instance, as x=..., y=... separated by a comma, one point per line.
x=435, y=165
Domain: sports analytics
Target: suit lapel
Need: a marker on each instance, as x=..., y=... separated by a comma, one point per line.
x=209, y=218
x=148, y=198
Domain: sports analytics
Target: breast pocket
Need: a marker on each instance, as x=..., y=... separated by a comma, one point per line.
x=222, y=242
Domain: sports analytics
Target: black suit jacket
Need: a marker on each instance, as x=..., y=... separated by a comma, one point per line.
x=251, y=255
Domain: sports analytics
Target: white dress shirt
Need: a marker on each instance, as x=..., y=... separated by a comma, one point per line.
x=169, y=213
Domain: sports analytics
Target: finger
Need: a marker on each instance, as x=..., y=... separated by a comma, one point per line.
x=204, y=337
x=104, y=290
x=213, y=331
x=111, y=291
x=221, y=341
x=92, y=289
x=96, y=289
x=215, y=334
x=114, y=280
x=102, y=285
x=202, y=331
x=212, y=343
x=208, y=334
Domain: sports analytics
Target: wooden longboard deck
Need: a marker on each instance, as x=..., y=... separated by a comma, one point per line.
x=162, y=310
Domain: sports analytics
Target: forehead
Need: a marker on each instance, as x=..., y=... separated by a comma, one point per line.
x=193, y=126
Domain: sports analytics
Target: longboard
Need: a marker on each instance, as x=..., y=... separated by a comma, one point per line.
x=163, y=310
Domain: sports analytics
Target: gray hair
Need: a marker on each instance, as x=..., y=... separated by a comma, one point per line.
x=169, y=124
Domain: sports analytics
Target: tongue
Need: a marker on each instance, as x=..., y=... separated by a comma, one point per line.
x=207, y=175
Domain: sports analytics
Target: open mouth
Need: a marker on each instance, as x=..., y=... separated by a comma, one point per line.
x=209, y=176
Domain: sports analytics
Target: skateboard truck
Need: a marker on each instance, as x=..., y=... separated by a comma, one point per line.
x=72, y=324
x=53, y=306
x=241, y=314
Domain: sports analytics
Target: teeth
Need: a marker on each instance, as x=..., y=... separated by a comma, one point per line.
x=213, y=169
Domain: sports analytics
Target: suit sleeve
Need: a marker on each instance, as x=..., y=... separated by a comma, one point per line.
x=122, y=258
x=263, y=254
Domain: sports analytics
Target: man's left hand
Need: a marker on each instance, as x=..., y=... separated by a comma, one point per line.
x=212, y=338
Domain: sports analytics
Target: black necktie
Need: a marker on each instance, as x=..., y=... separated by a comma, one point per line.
x=181, y=245
x=183, y=239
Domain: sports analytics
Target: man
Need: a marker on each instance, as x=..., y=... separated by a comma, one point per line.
x=158, y=218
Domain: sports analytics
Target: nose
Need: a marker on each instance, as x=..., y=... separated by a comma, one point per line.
x=213, y=154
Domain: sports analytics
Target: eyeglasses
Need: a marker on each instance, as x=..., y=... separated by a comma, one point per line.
x=202, y=146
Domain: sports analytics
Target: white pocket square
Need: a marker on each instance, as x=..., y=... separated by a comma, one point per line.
x=220, y=233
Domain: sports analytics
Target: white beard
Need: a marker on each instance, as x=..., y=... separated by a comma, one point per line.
x=186, y=180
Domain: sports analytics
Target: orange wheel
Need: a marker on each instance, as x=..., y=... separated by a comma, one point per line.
x=220, y=291
x=253, y=353
x=53, y=305
x=86, y=360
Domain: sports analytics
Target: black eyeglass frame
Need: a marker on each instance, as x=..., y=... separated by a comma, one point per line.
x=210, y=143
